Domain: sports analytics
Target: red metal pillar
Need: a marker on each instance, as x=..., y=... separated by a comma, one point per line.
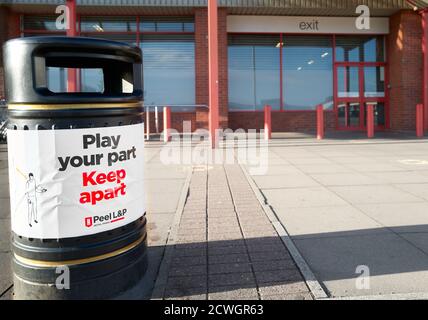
x=268, y=122
x=213, y=70
x=420, y=120
x=71, y=32
x=370, y=120
x=320, y=122
x=166, y=124
x=425, y=65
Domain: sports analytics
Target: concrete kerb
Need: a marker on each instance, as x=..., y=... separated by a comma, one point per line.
x=314, y=286
x=393, y=296
x=162, y=277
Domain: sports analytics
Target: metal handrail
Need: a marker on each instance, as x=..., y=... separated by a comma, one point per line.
x=180, y=107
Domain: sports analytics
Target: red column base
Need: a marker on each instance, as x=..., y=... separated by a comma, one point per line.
x=268, y=122
x=166, y=124
x=420, y=120
x=320, y=122
x=370, y=121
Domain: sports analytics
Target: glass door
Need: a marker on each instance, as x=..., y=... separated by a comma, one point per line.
x=348, y=108
x=358, y=85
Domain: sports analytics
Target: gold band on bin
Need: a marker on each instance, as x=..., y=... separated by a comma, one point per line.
x=42, y=263
x=69, y=106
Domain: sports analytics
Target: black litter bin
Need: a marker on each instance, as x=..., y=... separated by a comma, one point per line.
x=75, y=168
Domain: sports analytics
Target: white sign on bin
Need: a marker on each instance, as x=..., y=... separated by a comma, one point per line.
x=75, y=182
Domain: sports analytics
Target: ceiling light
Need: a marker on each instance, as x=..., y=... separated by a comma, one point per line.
x=325, y=54
x=98, y=28
x=311, y=62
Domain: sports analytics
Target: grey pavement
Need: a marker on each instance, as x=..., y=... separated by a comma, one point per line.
x=226, y=247
x=352, y=202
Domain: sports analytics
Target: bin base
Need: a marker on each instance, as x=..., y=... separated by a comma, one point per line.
x=105, y=287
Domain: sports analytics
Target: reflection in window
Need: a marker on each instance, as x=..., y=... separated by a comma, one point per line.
x=360, y=49
x=374, y=82
x=254, y=77
x=307, y=72
x=40, y=23
x=347, y=82
x=108, y=24
x=167, y=24
x=56, y=79
x=127, y=38
x=169, y=69
x=348, y=115
x=379, y=113
x=92, y=80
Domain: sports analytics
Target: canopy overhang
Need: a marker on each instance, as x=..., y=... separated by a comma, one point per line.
x=379, y=8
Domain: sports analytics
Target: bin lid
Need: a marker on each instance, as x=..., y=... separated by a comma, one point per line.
x=27, y=61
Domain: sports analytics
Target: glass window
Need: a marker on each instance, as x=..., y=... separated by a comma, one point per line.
x=128, y=38
x=167, y=24
x=56, y=79
x=307, y=72
x=348, y=114
x=348, y=82
x=254, y=72
x=374, y=82
x=169, y=69
x=360, y=48
x=379, y=113
x=92, y=80
x=40, y=23
x=106, y=24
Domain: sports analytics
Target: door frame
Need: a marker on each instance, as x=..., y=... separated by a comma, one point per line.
x=361, y=99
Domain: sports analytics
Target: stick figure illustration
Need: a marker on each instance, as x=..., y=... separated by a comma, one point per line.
x=32, y=188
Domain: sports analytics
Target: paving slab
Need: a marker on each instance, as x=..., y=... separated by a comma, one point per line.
x=4, y=235
x=418, y=239
x=322, y=221
x=400, y=217
x=373, y=194
x=322, y=168
x=417, y=189
x=5, y=271
x=374, y=167
x=399, y=177
x=293, y=180
x=233, y=293
x=303, y=197
x=395, y=265
x=344, y=179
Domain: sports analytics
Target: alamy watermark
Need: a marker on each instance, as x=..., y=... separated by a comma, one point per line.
x=363, y=21
x=235, y=147
x=62, y=22
x=363, y=280
x=62, y=282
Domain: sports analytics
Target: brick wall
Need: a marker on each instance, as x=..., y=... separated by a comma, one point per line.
x=404, y=45
x=201, y=66
x=177, y=119
x=289, y=121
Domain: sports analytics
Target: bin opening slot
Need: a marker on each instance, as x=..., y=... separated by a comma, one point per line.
x=102, y=75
